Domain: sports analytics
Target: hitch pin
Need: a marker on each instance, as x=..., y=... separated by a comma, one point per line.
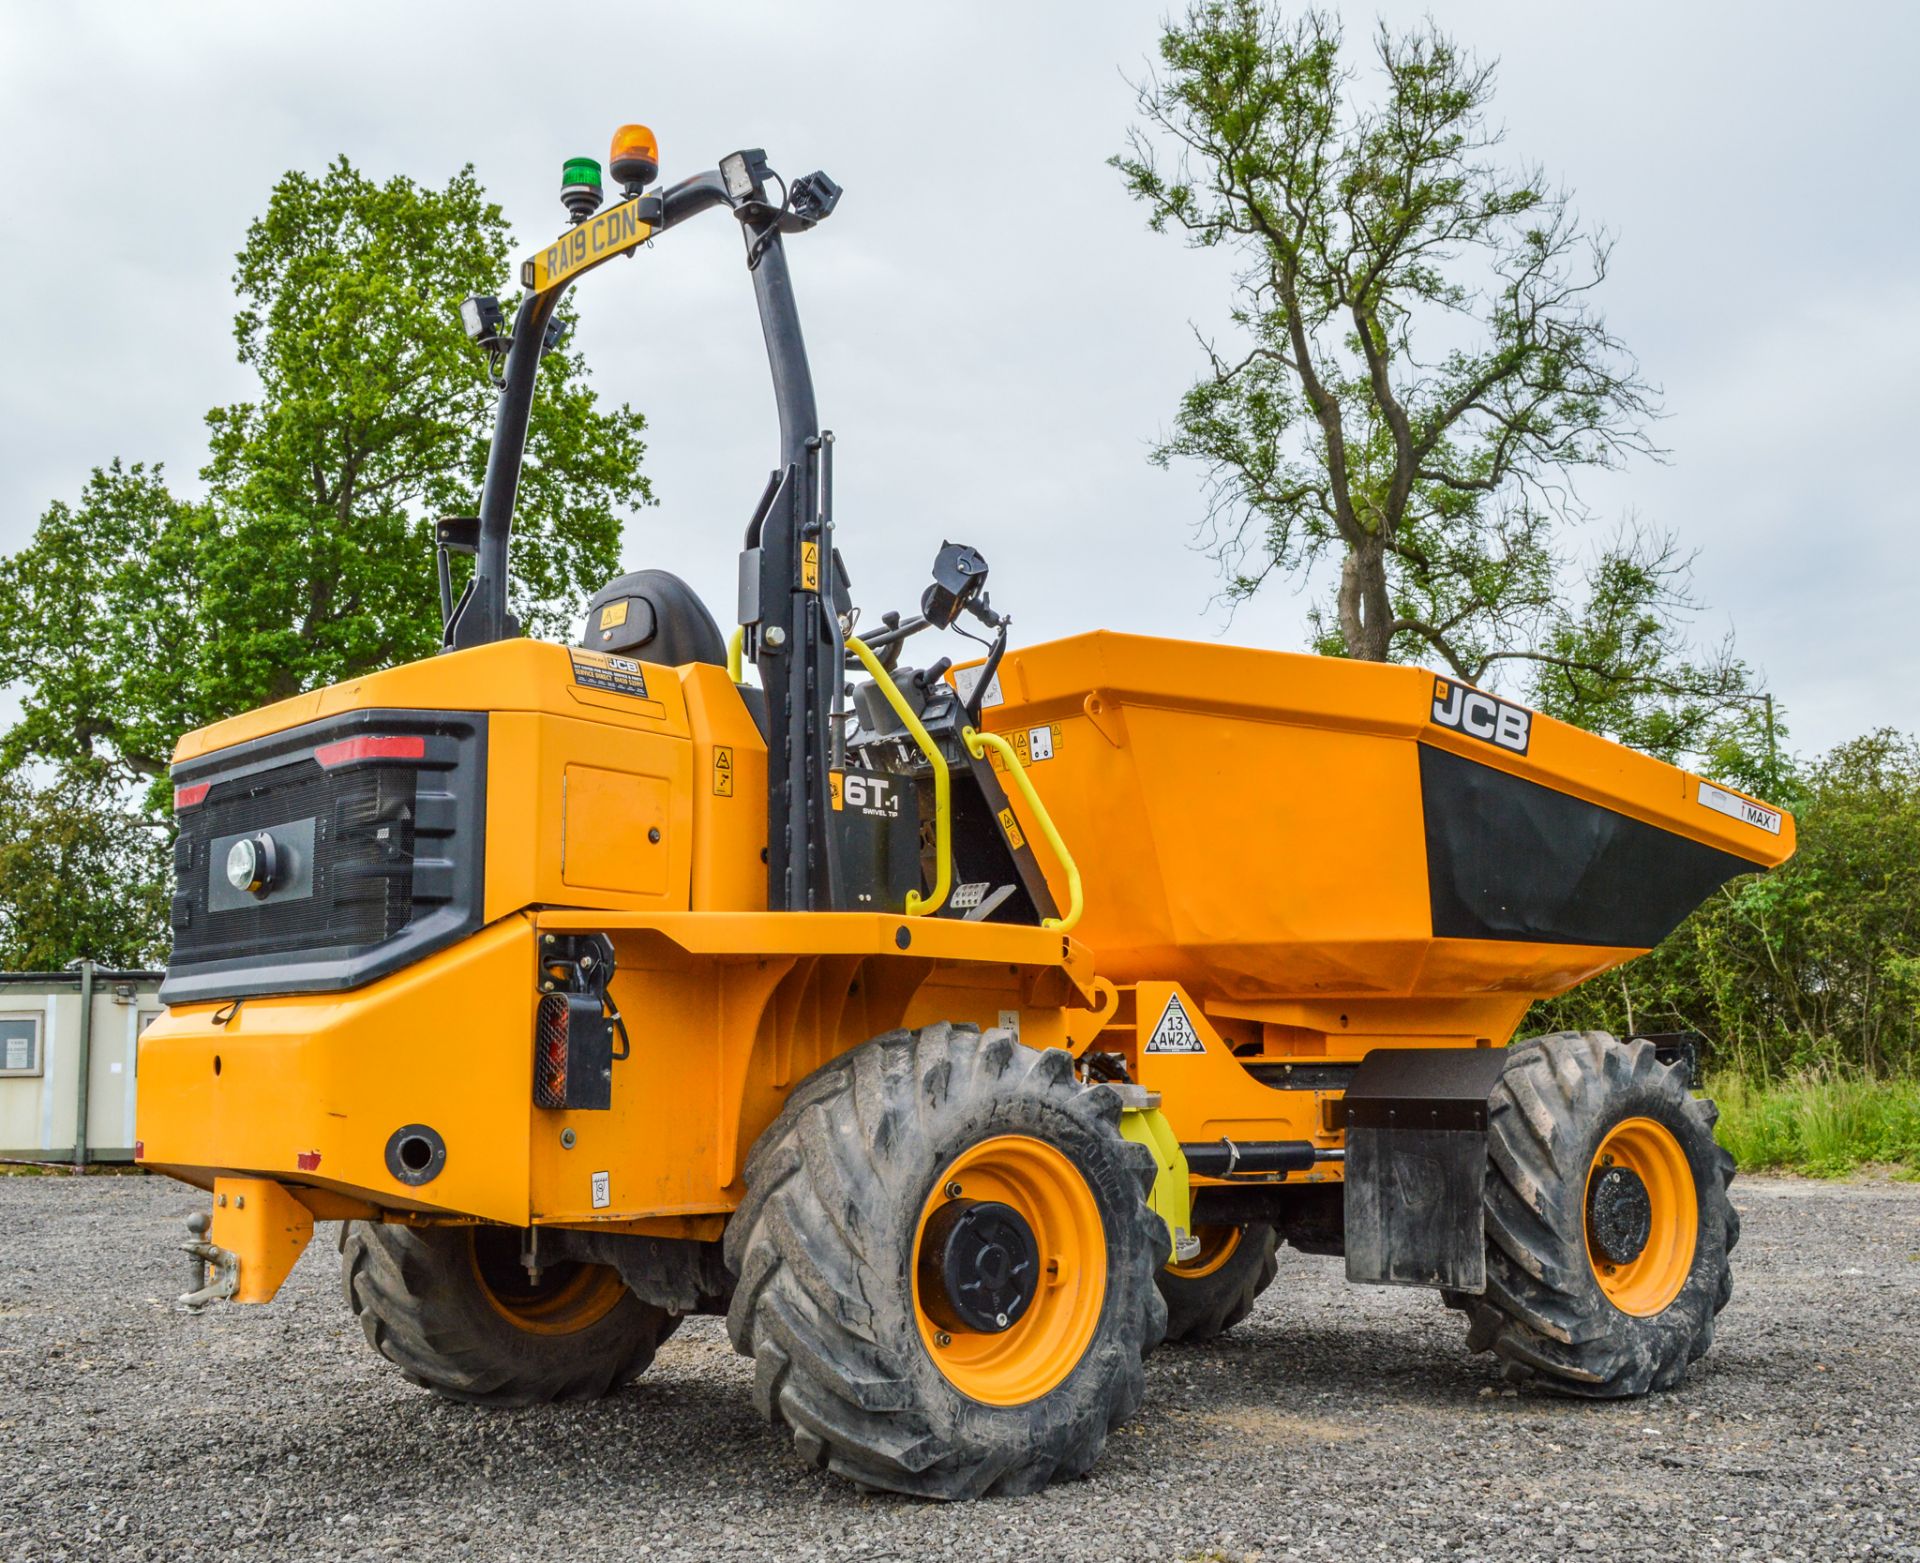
x=215, y=1272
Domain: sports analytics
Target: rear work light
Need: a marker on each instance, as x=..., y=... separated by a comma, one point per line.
x=349, y=751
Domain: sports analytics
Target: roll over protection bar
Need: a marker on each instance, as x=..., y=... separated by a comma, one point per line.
x=481, y=616
x=788, y=568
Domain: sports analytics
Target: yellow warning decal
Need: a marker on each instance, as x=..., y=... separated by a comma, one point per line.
x=838, y=779
x=1012, y=827
x=614, y=613
x=810, y=566
x=1032, y=744
x=722, y=771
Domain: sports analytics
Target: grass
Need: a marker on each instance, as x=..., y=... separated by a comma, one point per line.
x=1823, y=1126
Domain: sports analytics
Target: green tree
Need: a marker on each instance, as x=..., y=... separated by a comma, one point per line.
x=135, y=615
x=80, y=875
x=1421, y=370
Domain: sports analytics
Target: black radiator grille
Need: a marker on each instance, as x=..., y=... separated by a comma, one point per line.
x=388, y=834
x=362, y=860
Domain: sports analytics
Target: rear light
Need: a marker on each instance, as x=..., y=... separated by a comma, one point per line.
x=349, y=751
x=187, y=797
x=572, y=1053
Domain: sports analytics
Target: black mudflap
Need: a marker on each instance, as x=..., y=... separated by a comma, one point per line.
x=1416, y=1166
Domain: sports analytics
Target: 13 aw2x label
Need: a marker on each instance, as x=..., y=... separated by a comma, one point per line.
x=1744, y=809
x=1175, y=1033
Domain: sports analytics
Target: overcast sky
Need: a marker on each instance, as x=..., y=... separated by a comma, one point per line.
x=996, y=338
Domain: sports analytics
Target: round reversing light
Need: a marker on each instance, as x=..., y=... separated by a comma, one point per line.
x=250, y=864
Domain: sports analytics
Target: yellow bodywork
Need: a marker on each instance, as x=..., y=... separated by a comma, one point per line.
x=1248, y=835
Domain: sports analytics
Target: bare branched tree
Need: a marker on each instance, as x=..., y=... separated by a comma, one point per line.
x=1421, y=370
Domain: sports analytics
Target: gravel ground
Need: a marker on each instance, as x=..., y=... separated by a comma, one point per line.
x=1337, y=1422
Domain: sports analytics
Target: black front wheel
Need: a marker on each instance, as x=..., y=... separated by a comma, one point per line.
x=1607, y=1219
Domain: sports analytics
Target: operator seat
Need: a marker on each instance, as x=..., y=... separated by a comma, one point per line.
x=653, y=616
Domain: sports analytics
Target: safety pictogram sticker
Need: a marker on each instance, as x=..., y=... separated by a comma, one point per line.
x=1175, y=1033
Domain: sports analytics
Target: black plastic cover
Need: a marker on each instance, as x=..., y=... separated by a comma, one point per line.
x=1510, y=859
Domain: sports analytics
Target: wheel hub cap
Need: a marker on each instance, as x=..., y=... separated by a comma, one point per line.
x=979, y=1266
x=1619, y=1215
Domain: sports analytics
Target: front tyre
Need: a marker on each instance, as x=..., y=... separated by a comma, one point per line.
x=946, y=1264
x=455, y=1311
x=1607, y=1220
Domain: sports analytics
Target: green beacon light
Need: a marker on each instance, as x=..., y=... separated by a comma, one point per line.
x=580, y=187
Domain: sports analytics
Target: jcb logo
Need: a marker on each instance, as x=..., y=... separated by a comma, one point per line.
x=870, y=794
x=1481, y=716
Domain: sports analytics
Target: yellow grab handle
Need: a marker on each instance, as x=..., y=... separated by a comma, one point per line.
x=942, y=783
x=976, y=743
x=735, y=642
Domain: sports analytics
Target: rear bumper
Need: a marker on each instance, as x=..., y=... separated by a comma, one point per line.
x=309, y=1090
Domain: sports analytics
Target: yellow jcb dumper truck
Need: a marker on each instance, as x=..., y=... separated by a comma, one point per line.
x=959, y=1032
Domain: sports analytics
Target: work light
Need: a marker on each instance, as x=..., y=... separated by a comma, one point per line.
x=481, y=317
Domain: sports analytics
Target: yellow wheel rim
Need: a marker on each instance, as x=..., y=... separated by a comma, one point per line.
x=1217, y=1246
x=569, y=1297
x=1647, y=1283
x=1043, y=1345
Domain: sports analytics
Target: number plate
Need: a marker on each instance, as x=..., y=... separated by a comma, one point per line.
x=613, y=232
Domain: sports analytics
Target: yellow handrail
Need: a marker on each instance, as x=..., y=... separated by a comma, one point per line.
x=942, y=784
x=735, y=642
x=976, y=742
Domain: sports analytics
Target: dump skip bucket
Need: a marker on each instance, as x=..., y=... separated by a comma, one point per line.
x=1259, y=824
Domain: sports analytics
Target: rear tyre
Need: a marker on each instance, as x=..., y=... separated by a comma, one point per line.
x=1210, y=1293
x=946, y=1261
x=1607, y=1219
x=453, y=1309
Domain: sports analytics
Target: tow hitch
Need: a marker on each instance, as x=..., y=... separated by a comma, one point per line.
x=245, y=1248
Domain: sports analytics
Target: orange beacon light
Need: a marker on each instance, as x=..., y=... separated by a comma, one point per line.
x=634, y=161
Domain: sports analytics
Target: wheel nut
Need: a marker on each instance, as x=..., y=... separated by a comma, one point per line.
x=953, y=1190
x=942, y=1338
x=1000, y=1319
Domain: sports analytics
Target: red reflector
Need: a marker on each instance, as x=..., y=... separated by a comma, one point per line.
x=307, y=1161
x=550, y=1052
x=139, y=1150
x=187, y=797
x=349, y=750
